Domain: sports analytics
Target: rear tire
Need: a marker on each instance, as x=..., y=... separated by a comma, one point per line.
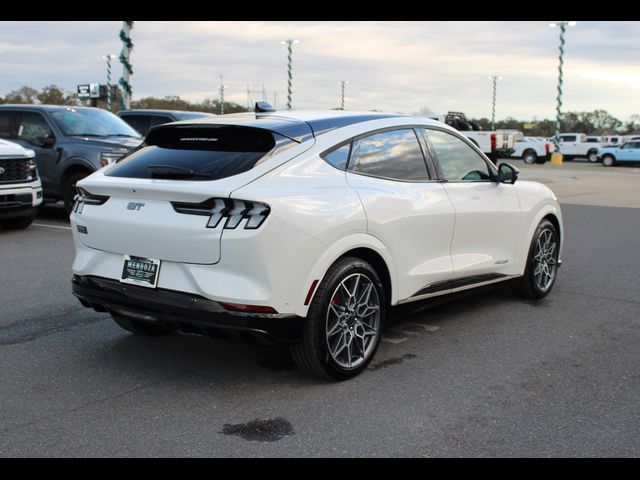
x=592, y=156
x=542, y=263
x=144, y=329
x=529, y=157
x=17, y=223
x=345, y=321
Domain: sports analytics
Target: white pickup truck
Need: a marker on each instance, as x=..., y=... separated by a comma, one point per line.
x=574, y=145
x=532, y=150
x=494, y=144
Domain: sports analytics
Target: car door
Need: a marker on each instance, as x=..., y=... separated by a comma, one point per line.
x=487, y=212
x=34, y=132
x=406, y=209
x=569, y=144
x=629, y=152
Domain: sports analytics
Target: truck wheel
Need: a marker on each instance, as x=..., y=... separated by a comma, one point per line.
x=17, y=223
x=592, y=156
x=69, y=189
x=608, y=161
x=529, y=157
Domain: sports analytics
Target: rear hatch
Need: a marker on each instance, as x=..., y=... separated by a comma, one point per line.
x=157, y=201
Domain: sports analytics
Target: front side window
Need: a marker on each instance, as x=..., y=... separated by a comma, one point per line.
x=34, y=128
x=394, y=154
x=459, y=162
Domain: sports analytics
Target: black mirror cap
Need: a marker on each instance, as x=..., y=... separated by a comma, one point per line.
x=507, y=173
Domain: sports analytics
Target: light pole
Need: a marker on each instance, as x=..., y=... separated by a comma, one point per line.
x=342, y=84
x=563, y=27
x=221, y=90
x=495, y=79
x=108, y=58
x=289, y=42
x=127, y=69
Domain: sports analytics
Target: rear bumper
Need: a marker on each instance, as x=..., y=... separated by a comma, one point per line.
x=188, y=312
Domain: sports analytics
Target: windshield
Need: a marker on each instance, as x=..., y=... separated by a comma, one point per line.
x=94, y=123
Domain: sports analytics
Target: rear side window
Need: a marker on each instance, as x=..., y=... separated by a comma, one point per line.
x=394, y=154
x=139, y=122
x=209, y=153
x=568, y=138
x=338, y=157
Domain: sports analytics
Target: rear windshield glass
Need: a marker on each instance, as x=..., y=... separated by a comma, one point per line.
x=199, y=153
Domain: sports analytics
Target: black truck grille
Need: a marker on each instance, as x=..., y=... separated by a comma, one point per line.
x=15, y=169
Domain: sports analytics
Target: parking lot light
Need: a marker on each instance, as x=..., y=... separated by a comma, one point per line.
x=556, y=140
x=342, y=84
x=289, y=42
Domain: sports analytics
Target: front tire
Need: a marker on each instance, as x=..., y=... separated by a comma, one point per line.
x=17, y=223
x=608, y=161
x=542, y=263
x=344, y=323
x=69, y=189
x=592, y=156
x=144, y=329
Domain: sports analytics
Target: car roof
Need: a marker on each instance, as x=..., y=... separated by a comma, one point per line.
x=160, y=110
x=34, y=106
x=300, y=125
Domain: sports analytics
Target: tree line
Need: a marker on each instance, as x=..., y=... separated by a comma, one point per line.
x=598, y=122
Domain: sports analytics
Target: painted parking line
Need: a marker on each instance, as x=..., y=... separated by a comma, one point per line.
x=50, y=226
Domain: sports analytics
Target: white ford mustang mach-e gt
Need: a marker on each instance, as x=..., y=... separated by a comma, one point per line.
x=305, y=228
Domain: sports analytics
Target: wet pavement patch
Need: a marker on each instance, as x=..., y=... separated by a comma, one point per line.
x=260, y=430
x=392, y=361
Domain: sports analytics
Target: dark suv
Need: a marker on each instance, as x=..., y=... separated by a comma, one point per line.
x=142, y=120
x=70, y=142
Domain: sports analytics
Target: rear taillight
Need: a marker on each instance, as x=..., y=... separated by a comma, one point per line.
x=494, y=141
x=233, y=210
x=546, y=148
x=83, y=198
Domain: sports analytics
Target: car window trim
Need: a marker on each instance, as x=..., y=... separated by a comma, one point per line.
x=492, y=168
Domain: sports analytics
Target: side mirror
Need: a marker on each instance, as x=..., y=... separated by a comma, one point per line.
x=46, y=142
x=507, y=173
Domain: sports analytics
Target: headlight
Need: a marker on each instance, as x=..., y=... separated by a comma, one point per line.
x=110, y=157
x=32, y=169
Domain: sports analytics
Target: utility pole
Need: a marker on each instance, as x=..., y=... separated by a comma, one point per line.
x=127, y=69
x=108, y=58
x=563, y=27
x=342, y=84
x=495, y=79
x=289, y=42
x=221, y=91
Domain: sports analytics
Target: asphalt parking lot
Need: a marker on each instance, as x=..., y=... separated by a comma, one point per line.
x=489, y=375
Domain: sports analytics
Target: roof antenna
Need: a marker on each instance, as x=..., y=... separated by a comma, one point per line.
x=263, y=107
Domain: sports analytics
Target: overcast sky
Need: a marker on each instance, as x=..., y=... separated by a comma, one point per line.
x=390, y=66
